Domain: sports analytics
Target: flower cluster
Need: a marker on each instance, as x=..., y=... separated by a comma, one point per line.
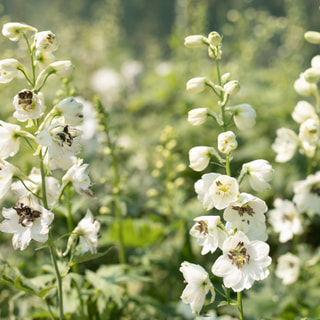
x=241, y=234
x=54, y=138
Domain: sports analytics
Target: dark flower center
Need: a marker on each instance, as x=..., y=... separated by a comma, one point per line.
x=26, y=214
x=239, y=255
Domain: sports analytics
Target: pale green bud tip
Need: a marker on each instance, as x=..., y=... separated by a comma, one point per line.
x=194, y=41
x=196, y=85
x=312, y=37
x=214, y=38
x=232, y=87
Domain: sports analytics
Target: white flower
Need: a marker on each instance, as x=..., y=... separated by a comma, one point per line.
x=198, y=285
x=288, y=268
x=27, y=220
x=309, y=133
x=285, y=145
x=71, y=110
x=259, y=173
x=42, y=59
x=243, y=262
x=28, y=105
x=247, y=215
x=78, y=176
x=303, y=87
x=194, y=41
x=285, y=219
x=9, y=139
x=13, y=30
x=87, y=230
x=7, y=171
x=8, y=69
x=62, y=69
x=303, y=111
x=199, y=157
x=208, y=233
x=34, y=183
x=232, y=87
x=63, y=144
x=244, y=116
x=227, y=142
x=45, y=41
x=196, y=85
x=198, y=116
x=307, y=194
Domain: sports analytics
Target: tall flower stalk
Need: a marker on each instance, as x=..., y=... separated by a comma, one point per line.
x=241, y=236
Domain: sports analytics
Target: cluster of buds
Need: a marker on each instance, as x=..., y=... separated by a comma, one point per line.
x=241, y=234
x=54, y=137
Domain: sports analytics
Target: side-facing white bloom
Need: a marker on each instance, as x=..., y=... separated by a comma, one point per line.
x=27, y=220
x=285, y=145
x=9, y=139
x=199, y=157
x=79, y=177
x=45, y=41
x=7, y=171
x=208, y=233
x=307, y=194
x=13, y=30
x=62, y=69
x=194, y=41
x=303, y=87
x=247, y=215
x=227, y=142
x=71, y=110
x=198, y=286
x=28, y=105
x=309, y=134
x=8, y=69
x=198, y=116
x=242, y=262
x=259, y=173
x=288, y=268
x=196, y=85
x=303, y=111
x=42, y=59
x=285, y=219
x=63, y=144
x=244, y=116
x=87, y=230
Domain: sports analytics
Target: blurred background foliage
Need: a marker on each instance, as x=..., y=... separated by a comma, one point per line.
x=131, y=54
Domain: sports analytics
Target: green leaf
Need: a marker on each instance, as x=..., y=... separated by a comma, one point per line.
x=89, y=257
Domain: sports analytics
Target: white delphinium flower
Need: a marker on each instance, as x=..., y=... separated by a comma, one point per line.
x=285, y=145
x=247, y=215
x=63, y=144
x=42, y=59
x=13, y=30
x=285, y=219
x=309, y=133
x=28, y=105
x=45, y=41
x=259, y=173
x=8, y=69
x=303, y=87
x=34, y=184
x=198, y=116
x=307, y=194
x=199, y=157
x=87, y=230
x=208, y=233
x=79, y=178
x=242, y=262
x=9, y=139
x=244, y=116
x=288, y=268
x=303, y=111
x=71, y=110
x=227, y=142
x=62, y=69
x=196, y=85
x=27, y=220
x=198, y=286
x=7, y=171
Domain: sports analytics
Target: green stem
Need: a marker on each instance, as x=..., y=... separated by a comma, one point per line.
x=31, y=59
x=49, y=310
x=240, y=307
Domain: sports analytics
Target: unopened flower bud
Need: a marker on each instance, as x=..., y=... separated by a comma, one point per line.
x=199, y=157
x=214, y=38
x=315, y=61
x=312, y=75
x=194, y=41
x=227, y=142
x=12, y=30
x=232, y=87
x=226, y=78
x=312, y=37
x=62, y=69
x=198, y=116
x=303, y=87
x=196, y=85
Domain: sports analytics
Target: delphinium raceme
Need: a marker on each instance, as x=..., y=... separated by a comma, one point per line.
x=236, y=226
x=53, y=139
x=290, y=218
